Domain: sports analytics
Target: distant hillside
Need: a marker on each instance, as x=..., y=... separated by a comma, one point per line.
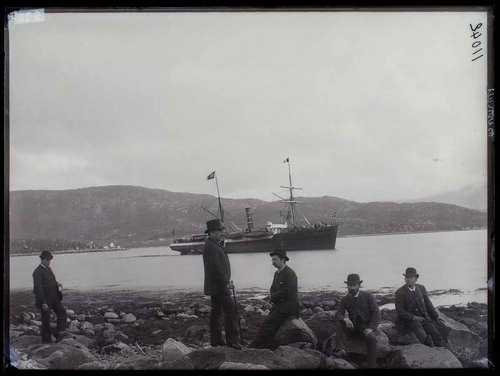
x=128, y=215
x=468, y=197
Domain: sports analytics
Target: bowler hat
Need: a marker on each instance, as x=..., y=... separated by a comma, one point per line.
x=214, y=224
x=281, y=253
x=47, y=255
x=352, y=279
x=411, y=272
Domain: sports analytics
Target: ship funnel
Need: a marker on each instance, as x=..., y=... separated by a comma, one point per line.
x=249, y=219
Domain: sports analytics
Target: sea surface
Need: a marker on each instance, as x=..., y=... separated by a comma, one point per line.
x=445, y=261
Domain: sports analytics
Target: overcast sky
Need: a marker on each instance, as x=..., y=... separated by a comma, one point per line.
x=368, y=106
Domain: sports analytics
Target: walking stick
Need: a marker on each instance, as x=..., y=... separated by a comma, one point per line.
x=238, y=316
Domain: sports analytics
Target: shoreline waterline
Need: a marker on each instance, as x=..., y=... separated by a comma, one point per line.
x=167, y=244
x=440, y=298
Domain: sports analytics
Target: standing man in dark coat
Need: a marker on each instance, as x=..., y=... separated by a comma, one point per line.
x=363, y=317
x=416, y=312
x=218, y=285
x=48, y=297
x=284, y=296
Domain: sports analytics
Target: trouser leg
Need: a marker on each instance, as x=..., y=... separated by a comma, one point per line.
x=230, y=320
x=419, y=331
x=61, y=314
x=215, y=320
x=340, y=335
x=265, y=336
x=431, y=330
x=45, y=330
x=371, y=349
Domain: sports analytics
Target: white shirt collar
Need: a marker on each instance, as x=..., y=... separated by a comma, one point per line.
x=43, y=266
x=412, y=289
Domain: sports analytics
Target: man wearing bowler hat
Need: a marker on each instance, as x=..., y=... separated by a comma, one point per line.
x=363, y=317
x=285, y=299
x=48, y=297
x=416, y=312
x=218, y=285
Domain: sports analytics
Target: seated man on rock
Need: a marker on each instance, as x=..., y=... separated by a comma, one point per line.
x=416, y=312
x=285, y=299
x=363, y=317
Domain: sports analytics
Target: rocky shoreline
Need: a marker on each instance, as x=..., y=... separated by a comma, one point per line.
x=169, y=330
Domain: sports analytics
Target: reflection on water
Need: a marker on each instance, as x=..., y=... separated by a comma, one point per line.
x=379, y=260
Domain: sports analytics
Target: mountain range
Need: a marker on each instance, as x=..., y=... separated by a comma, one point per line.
x=472, y=197
x=134, y=216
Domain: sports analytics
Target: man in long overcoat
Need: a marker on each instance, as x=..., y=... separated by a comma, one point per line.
x=218, y=285
x=416, y=312
x=284, y=296
x=48, y=297
x=363, y=317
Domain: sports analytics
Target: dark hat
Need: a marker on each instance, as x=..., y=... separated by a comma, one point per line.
x=411, y=272
x=281, y=253
x=46, y=255
x=214, y=224
x=353, y=278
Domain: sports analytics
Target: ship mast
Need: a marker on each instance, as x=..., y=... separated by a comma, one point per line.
x=221, y=211
x=290, y=216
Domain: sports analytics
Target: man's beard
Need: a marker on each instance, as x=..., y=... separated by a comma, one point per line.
x=353, y=292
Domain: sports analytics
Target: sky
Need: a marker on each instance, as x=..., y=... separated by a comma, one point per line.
x=367, y=106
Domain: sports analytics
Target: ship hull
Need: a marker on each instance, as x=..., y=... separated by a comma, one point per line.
x=303, y=240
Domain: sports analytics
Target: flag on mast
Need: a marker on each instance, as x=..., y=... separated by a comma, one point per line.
x=211, y=176
x=286, y=160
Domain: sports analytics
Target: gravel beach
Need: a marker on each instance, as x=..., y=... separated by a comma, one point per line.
x=141, y=322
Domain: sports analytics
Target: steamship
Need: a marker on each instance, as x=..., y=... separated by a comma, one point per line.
x=288, y=235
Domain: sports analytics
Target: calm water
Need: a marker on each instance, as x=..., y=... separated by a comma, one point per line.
x=445, y=260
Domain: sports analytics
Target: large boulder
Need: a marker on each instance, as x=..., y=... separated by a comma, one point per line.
x=169, y=308
x=336, y=363
x=422, y=356
x=91, y=365
x=295, y=330
x=384, y=349
x=111, y=315
x=395, y=337
x=173, y=350
x=85, y=341
x=128, y=318
x=308, y=304
x=135, y=362
x=86, y=325
x=61, y=356
x=182, y=363
x=25, y=317
x=318, y=354
x=328, y=304
x=15, y=333
x=249, y=309
x=356, y=345
x=116, y=348
x=299, y=358
x=231, y=365
x=25, y=341
x=461, y=340
x=197, y=332
x=322, y=324
x=74, y=342
x=213, y=357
